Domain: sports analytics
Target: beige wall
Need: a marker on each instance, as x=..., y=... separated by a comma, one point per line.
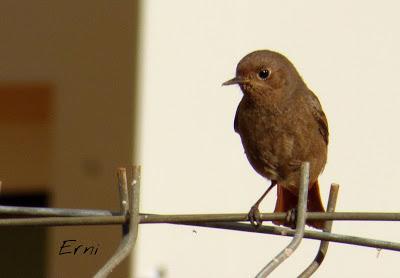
x=347, y=52
x=86, y=52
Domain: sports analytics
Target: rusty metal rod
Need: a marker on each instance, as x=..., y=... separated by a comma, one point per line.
x=300, y=225
x=236, y=217
x=281, y=231
x=103, y=217
x=228, y=224
x=323, y=247
x=123, y=196
x=147, y=218
x=64, y=221
x=274, y=230
x=38, y=211
x=128, y=241
x=123, y=190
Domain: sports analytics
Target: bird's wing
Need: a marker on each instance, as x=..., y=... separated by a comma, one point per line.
x=319, y=116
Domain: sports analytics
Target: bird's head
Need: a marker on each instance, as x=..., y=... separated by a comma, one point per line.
x=265, y=73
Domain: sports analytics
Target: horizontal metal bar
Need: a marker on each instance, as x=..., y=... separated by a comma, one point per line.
x=234, y=217
x=177, y=219
x=227, y=217
x=62, y=217
x=354, y=216
x=276, y=230
x=64, y=221
x=35, y=211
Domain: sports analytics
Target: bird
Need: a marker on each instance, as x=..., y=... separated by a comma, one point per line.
x=281, y=125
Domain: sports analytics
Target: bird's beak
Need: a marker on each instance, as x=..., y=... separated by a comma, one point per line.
x=235, y=80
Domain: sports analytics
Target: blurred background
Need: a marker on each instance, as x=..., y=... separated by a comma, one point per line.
x=88, y=87
x=66, y=115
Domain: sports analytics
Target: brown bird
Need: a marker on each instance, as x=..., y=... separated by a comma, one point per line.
x=281, y=124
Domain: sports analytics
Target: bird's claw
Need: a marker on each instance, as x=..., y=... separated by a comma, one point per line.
x=291, y=218
x=254, y=216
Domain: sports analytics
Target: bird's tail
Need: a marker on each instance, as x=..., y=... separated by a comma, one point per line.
x=286, y=200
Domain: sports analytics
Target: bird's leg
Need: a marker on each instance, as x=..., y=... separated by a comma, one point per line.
x=254, y=213
x=291, y=218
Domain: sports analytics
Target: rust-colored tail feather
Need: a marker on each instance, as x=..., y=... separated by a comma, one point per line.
x=286, y=200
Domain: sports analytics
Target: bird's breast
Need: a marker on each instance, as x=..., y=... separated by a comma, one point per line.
x=266, y=138
x=277, y=139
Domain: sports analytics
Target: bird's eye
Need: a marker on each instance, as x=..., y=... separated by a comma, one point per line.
x=263, y=74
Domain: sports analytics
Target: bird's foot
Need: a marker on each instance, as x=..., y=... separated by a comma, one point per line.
x=254, y=216
x=291, y=218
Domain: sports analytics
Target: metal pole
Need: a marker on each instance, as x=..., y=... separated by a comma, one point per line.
x=323, y=247
x=300, y=224
x=123, y=196
x=128, y=241
x=64, y=221
x=35, y=211
x=281, y=231
x=146, y=218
